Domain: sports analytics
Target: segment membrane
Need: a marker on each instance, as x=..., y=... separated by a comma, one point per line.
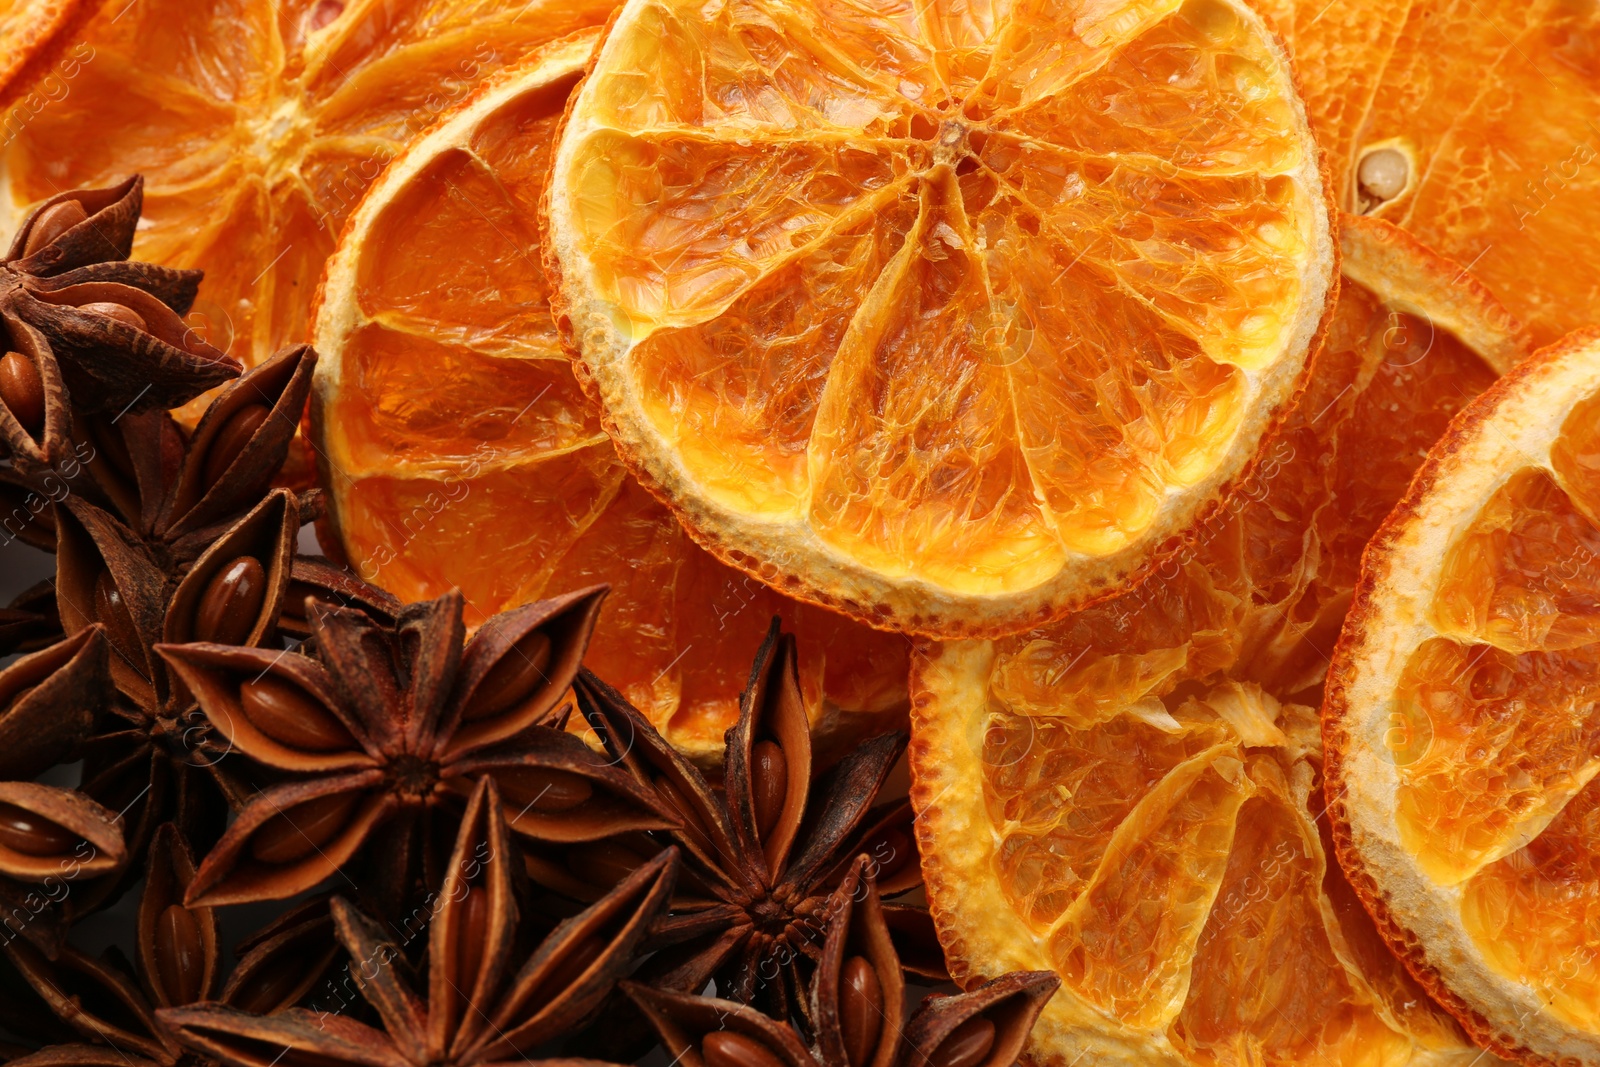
x=1525, y=575
x=679, y=224
x=1127, y=943
x=737, y=395
x=1489, y=747
x=915, y=465
x=1056, y=794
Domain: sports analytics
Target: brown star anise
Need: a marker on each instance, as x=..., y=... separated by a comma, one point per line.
x=81, y=317
x=762, y=856
x=478, y=1007
x=385, y=727
x=111, y=1007
x=857, y=1007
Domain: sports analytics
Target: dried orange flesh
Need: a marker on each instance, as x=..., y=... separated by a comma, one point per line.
x=1131, y=797
x=39, y=53
x=1499, y=155
x=1467, y=715
x=458, y=449
x=931, y=314
x=258, y=125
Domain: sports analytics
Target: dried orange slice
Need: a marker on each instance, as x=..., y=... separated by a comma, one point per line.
x=944, y=317
x=457, y=449
x=1463, y=716
x=1131, y=796
x=39, y=57
x=1470, y=125
x=258, y=125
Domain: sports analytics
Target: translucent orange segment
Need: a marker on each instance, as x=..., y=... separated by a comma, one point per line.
x=680, y=224
x=772, y=66
x=1552, y=886
x=1528, y=96
x=1126, y=944
x=1204, y=101
x=408, y=399
x=1215, y=255
x=915, y=460
x=1266, y=986
x=301, y=242
x=1104, y=436
x=421, y=537
x=1525, y=574
x=1045, y=47
x=182, y=40
x=162, y=126
x=737, y=395
x=1488, y=746
x=964, y=35
x=451, y=256
x=1576, y=456
x=1056, y=795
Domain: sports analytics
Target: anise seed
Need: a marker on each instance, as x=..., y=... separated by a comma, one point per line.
x=967, y=1045
x=295, y=834
x=516, y=677
x=891, y=850
x=544, y=790
x=231, y=439
x=120, y=312
x=860, y=1009
x=268, y=986
x=472, y=927
x=23, y=391
x=52, y=222
x=286, y=713
x=179, y=954
x=232, y=602
x=725, y=1048
x=111, y=610
x=769, y=784
x=23, y=831
x=575, y=959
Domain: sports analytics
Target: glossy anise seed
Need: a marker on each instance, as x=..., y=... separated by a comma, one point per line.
x=110, y=609
x=769, y=784
x=967, y=1045
x=23, y=391
x=472, y=917
x=179, y=954
x=286, y=713
x=891, y=850
x=231, y=439
x=543, y=790
x=576, y=959
x=520, y=673
x=52, y=222
x=726, y=1048
x=23, y=831
x=119, y=312
x=295, y=834
x=860, y=1009
x=232, y=602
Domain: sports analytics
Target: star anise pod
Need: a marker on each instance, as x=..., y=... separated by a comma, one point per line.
x=762, y=856
x=478, y=1008
x=191, y=543
x=31, y=621
x=110, y=1005
x=386, y=728
x=83, y=319
x=857, y=1007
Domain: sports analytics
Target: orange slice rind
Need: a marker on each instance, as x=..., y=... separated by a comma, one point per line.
x=1463, y=716
x=1131, y=796
x=896, y=315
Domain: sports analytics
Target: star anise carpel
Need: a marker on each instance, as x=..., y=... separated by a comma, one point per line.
x=477, y=1007
x=386, y=728
x=762, y=856
x=856, y=999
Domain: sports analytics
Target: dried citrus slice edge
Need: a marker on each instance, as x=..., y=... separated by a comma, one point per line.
x=789, y=556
